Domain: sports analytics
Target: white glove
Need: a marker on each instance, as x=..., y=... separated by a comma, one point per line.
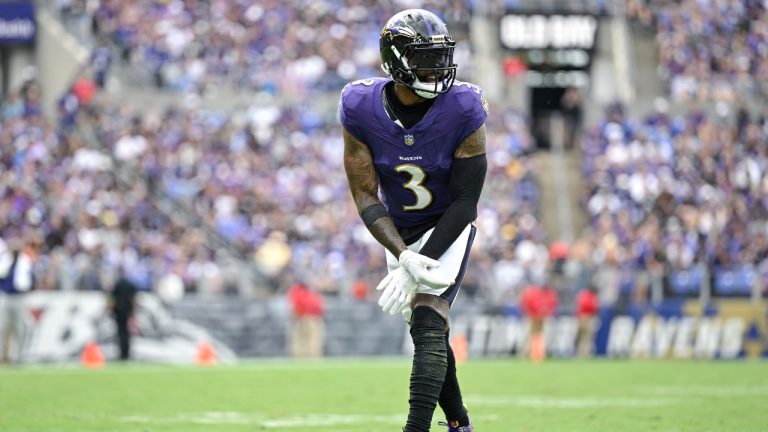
x=418, y=266
x=407, y=312
x=398, y=288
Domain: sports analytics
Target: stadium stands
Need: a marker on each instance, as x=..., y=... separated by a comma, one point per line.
x=274, y=177
x=687, y=193
x=709, y=51
x=65, y=199
x=268, y=180
x=277, y=47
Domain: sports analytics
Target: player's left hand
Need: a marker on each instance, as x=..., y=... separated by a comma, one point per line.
x=418, y=267
x=398, y=287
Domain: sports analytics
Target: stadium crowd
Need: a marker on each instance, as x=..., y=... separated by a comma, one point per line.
x=664, y=195
x=271, y=182
x=268, y=181
x=63, y=200
x=673, y=194
x=709, y=50
x=290, y=48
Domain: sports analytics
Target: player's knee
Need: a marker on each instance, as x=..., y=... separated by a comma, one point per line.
x=428, y=334
x=436, y=303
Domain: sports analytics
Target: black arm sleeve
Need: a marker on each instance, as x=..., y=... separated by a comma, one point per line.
x=467, y=178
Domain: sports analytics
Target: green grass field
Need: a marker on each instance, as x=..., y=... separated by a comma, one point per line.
x=371, y=395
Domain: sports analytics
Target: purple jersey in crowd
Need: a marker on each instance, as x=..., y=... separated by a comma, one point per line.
x=413, y=165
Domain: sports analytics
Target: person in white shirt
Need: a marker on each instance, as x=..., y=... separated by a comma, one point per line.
x=15, y=280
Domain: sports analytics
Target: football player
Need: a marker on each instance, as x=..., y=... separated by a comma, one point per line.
x=414, y=155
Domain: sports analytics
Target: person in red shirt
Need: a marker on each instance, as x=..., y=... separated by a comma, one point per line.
x=538, y=302
x=308, y=327
x=586, y=309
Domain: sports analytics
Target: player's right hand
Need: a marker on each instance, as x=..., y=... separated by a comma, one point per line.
x=418, y=267
x=398, y=287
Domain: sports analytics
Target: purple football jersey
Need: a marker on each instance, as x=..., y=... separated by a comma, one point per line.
x=413, y=165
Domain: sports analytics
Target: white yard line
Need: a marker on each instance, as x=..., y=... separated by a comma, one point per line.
x=257, y=365
x=315, y=420
x=259, y=420
x=703, y=390
x=570, y=402
x=220, y=418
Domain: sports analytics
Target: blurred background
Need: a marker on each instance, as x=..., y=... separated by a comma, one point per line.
x=171, y=174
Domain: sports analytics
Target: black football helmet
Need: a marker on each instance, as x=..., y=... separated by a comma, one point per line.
x=417, y=51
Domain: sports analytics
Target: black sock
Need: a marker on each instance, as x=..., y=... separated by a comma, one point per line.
x=429, y=366
x=450, y=395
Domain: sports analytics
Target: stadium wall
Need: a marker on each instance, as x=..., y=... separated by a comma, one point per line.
x=60, y=324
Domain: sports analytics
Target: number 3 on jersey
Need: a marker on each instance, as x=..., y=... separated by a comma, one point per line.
x=423, y=195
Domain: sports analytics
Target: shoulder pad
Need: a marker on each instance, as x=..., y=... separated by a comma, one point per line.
x=355, y=92
x=469, y=97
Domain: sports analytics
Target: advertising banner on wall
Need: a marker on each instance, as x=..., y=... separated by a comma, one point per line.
x=59, y=325
x=17, y=22
x=727, y=329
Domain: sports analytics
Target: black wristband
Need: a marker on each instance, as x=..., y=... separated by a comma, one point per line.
x=371, y=214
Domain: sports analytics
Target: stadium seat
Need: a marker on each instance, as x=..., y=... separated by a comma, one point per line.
x=627, y=282
x=736, y=281
x=686, y=283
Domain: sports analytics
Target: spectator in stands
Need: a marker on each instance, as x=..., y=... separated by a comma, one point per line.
x=570, y=105
x=101, y=62
x=273, y=255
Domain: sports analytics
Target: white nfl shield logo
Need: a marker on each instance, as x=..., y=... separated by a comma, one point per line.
x=408, y=139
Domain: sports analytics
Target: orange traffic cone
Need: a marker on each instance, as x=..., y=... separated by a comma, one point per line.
x=460, y=348
x=91, y=357
x=206, y=355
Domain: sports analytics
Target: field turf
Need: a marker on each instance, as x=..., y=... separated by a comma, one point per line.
x=371, y=395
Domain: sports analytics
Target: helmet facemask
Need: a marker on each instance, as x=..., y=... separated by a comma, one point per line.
x=432, y=68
